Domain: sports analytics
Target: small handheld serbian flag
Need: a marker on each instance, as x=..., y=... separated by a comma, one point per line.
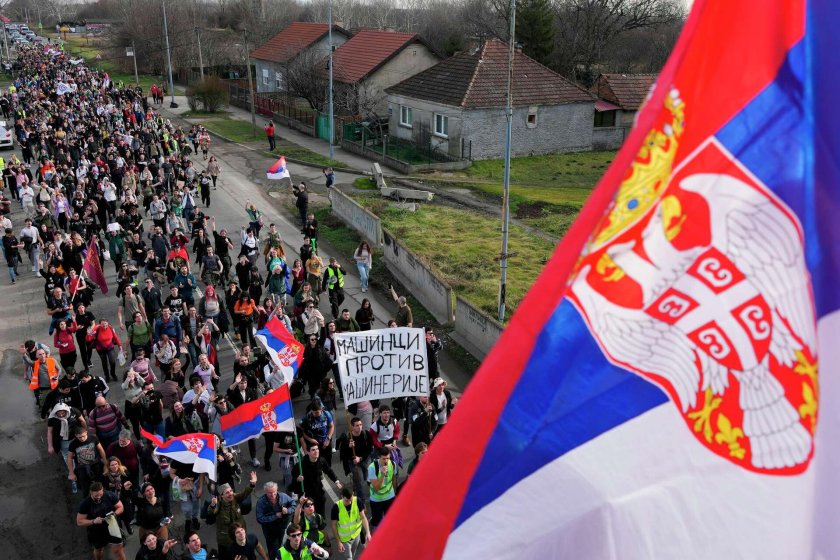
x=272, y=413
x=198, y=450
x=285, y=350
x=278, y=170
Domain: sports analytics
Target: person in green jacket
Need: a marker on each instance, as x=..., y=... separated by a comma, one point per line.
x=116, y=246
x=228, y=510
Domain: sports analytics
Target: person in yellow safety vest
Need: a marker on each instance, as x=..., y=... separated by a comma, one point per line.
x=12, y=88
x=334, y=285
x=45, y=373
x=2, y=164
x=312, y=523
x=348, y=520
x=297, y=547
x=381, y=477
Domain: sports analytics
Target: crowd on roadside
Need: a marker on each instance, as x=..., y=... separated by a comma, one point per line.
x=104, y=177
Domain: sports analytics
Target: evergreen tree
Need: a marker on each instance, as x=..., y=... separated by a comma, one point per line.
x=535, y=29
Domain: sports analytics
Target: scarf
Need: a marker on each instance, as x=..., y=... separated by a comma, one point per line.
x=65, y=424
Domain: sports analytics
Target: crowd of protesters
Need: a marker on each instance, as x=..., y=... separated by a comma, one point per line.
x=102, y=167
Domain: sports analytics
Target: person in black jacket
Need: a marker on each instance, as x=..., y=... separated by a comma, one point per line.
x=355, y=450
x=314, y=468
x=238, y=394
x=316, y=364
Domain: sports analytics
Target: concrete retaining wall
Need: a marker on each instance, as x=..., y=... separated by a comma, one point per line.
x=425, y=285
x=366, y=223
x=475, y=330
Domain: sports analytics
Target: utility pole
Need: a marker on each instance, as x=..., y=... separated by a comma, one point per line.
x=134, y=57
x=200, y=59
x=503, y=262
x=250, y=84
x=332, y=120
x=172, y=103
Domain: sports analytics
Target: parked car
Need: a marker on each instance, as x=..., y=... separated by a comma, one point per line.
x=6, y=136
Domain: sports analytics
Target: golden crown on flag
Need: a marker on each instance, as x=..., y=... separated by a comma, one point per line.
x=649, y=173
x=265, y=407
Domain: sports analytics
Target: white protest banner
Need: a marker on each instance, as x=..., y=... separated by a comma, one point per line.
x=382, y=364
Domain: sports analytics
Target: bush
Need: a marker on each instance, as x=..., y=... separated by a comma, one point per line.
x=209, y=96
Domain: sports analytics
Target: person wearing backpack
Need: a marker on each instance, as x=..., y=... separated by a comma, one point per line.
x=382, y=488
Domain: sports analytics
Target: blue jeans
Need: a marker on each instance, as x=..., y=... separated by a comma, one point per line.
x=364, y=272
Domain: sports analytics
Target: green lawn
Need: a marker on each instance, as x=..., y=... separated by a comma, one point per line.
x=582, y=169
x=365, y=184
x=236, y=130
x=88, y=49
x=546, y=192
x=462, y=245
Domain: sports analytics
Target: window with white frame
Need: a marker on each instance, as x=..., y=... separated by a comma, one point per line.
x=441, y=125
x=406, y=117
x=278, y=80
x=265, y=76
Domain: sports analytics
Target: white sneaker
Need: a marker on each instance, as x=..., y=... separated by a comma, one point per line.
x=255, y=463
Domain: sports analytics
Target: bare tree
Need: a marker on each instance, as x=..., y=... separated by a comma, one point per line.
x=305, y=77
x=587, y=28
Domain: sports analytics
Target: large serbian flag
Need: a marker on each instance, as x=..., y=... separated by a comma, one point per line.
x=285, y=350
x=278, y=170
x=656, y=394
x=271, y=413
x=198, y=450
x=93, y=268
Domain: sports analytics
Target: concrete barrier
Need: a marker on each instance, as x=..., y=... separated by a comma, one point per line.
x=475, y=330
x=429, y=289
x=366, y=223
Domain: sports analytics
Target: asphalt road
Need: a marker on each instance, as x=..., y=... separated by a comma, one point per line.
x=37, y=519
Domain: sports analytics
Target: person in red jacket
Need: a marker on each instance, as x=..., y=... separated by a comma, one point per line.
x=269, y=133
x=64, y=341
x=105, y=340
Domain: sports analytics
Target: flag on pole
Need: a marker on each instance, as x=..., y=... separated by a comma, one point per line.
x=285, y=350
x=271, y=413
x=93, y=268
x=656, y=393
x=279, y=170
x=198, y=450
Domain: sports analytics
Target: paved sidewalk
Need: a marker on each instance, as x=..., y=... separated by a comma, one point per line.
x=351, y=160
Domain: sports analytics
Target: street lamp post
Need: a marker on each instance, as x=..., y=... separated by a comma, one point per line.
x=172, y=103
x=332, y=120
x=250, y=84
x=503, y=261
x=200, y=59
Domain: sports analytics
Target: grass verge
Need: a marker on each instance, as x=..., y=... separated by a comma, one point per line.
x=462, y=246
x=365, y=184
x=581, y=169
x=345, y=240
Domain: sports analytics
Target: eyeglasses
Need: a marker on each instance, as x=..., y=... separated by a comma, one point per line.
x=294, y=536
x=310, y=504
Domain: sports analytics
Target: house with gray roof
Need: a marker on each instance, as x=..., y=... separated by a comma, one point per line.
x=459, y=106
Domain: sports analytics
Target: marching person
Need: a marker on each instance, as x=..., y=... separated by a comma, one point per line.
x=348, y=520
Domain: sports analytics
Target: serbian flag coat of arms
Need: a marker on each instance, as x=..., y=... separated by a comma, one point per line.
x=198, y=450
x=271, y=413
x=670, y=386
x=279, y=170
x=285, y=350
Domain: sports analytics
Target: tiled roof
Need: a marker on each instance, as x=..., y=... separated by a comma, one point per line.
x=479, y=79
x=289, y=42
x=628, y=91
x=366, y=51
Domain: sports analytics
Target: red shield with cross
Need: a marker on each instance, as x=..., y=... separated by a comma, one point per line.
x=705, y=292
